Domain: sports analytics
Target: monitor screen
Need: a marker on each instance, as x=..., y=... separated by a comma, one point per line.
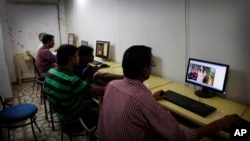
x=102, y=49
x=84, y=43
x=208, y=75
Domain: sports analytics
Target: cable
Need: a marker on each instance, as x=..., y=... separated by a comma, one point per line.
x=59, y=24
x=187, y=52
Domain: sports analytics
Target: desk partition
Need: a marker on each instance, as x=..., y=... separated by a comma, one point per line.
x=152, y=82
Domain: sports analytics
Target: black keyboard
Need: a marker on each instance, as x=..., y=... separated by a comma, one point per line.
x=190, y=104
x=96, y=62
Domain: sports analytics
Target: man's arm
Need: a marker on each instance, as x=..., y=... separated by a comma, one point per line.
x=219, y=124
x=96, y=90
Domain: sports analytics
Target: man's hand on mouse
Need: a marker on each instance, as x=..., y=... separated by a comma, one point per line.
x=159, y=95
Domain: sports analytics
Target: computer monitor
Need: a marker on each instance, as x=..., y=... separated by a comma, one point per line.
x=102, y=49
x=210, y=76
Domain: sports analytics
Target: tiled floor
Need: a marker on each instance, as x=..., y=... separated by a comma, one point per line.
x=25, y=93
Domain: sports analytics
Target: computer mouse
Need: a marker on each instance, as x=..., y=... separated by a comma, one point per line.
x=164, y=95
x=104, y=66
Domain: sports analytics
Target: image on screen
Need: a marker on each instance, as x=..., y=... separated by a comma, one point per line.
x=102, y=49
x=202, y=74
x=208, y=75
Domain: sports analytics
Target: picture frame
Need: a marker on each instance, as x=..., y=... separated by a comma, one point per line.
x=71, y=39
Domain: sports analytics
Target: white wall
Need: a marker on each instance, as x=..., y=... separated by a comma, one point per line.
x=25, y=21
x=5, y=84
x=220, y=32
x=159, y=24
x=214, y=30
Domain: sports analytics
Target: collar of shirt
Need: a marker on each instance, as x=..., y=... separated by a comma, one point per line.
x=61, y=69
x=134, y=81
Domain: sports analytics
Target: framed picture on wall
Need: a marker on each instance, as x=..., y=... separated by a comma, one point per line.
x=71, y=39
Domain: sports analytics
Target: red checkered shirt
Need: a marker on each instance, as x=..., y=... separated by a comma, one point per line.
x=129, y=112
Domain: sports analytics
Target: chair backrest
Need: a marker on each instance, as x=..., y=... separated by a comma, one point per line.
x=3, y=104
x=37, y=73
x=40, y=80
x=35, y=67
x=67, y=125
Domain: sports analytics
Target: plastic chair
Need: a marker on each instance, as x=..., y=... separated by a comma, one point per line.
x=15, y=116
x=77, y=128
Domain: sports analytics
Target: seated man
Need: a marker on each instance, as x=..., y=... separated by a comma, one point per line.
x=90, y=73
x=71, y=91
x=130, y=112
x=44, y=58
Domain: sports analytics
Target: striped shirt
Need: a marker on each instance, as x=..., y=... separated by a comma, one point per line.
x=68, y=89
x=129, y=112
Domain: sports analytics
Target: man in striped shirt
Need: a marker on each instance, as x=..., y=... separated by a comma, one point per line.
x=71, y=91
x=130, y=112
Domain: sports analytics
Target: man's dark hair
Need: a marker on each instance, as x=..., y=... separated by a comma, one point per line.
x=46, y=38
x=85, y=50
x=64, y=52
x=40, y=36
x=135, y=59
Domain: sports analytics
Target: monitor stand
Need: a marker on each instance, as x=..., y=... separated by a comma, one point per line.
x=204, y=93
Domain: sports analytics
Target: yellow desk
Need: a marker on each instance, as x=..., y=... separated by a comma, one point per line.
x=152, y=82
x=112, y=64
x=155, y=81
x=24, y=67
x=114, y=70
x=224, y=107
